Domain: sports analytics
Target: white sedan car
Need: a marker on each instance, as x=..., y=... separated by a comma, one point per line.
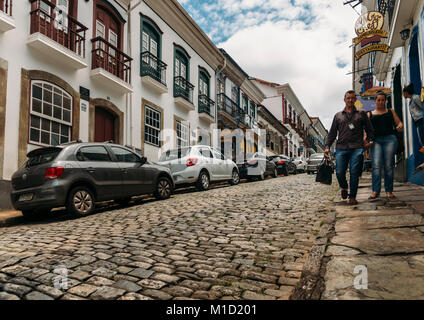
x=300, y=163
x=199, y=165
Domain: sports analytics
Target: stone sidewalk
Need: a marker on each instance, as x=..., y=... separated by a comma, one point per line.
x=374, y=250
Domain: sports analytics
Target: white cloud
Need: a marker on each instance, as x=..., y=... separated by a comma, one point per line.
x=289, y=50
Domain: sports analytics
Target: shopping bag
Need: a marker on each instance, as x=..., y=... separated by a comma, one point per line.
x=324, y=172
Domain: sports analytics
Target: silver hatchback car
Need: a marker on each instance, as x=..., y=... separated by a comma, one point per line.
x=199, y=165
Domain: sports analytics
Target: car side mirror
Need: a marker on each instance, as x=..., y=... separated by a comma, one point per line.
x=143, y=160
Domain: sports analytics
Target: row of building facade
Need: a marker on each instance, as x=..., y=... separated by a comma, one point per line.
x=401, y=65
x=139, y=72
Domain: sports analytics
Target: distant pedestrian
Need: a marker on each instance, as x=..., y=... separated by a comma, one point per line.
x=385, y=122
x=416, y=111
x=349, y=125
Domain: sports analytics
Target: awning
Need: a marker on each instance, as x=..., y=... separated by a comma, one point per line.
x=374, y=90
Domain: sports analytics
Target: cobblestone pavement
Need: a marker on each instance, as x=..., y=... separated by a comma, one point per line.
x=242, y=242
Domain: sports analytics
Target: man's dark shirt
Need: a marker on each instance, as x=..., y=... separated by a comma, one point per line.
x=350, y=138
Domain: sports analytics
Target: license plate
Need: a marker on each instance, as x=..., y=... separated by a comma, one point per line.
x=25, y=197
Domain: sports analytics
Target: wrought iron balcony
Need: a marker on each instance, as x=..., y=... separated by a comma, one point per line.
x=206, y=105
x=153, y=67
x=6, y=6
x=55, y=24
x=108, y=57
x=227, y=105
x=183, y=89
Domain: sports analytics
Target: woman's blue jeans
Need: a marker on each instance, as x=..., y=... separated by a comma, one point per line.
x=383, y=158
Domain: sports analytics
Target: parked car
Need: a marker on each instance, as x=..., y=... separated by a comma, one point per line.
x=199, y=166
x=300, y=163
x=284, y=164
x=77, y=175
x=313, y=162
x=258, y=166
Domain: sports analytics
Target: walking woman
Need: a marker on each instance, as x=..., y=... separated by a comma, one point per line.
x=416, y=110
x=385, y=122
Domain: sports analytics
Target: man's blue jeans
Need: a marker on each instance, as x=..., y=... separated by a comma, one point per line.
x=353, y=158
x=383, y=157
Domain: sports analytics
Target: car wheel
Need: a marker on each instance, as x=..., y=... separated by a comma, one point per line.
x=203, y=182
x=80, y=201
x=275, y=175
x=163, y=189
x=235, y=178
x=123, y=201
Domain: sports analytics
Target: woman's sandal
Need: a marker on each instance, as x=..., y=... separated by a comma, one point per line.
x=391, y=196
x=374, y=195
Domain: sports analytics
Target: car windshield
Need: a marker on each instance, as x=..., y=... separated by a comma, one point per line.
x=174, y=154
x=41, y=156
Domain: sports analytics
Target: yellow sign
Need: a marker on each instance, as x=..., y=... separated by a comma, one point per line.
x=370, y=21
x=374, y=47
x=371, y=33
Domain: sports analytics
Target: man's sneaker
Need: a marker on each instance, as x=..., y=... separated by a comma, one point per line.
x=353, y=201
x=344, y=193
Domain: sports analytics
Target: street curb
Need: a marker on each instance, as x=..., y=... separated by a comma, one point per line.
x=10, y=221
x=311, y=283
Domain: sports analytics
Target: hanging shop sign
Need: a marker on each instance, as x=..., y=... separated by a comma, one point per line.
x=369, y=28
x=375, y=47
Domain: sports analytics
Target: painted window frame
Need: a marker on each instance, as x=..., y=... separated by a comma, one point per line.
x=206, y=78
x=158, y=128
x=179, y=52
x=180, y=128
x=51, y=118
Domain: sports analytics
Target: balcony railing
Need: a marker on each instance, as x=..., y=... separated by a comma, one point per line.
x=52, y=22
x=6, y=6
x=110, y=58
x=183, y=89
x=153, y=67
x=206, y=105
x=227, y=105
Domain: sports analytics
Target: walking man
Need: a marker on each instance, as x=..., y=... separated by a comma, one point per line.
x=349, y=126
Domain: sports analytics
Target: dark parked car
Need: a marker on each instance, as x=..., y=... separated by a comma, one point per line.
x=284, y=164
x=77, y=175
x=257, y=167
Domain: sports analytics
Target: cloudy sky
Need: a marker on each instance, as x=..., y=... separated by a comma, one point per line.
x=301, y=42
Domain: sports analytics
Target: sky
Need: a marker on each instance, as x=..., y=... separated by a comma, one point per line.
x=305, y=43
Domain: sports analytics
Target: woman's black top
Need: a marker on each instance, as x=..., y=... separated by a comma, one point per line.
x=383, y=123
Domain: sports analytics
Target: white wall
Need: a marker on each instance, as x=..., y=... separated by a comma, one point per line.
x=14, y=49
x=166, y=100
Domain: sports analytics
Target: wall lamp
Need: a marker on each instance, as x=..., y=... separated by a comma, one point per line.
x=404, y=34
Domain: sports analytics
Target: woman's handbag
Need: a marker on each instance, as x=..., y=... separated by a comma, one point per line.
x=324, y=172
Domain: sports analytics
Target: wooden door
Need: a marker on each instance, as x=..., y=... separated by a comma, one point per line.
x=108, y=28
x=104, y=127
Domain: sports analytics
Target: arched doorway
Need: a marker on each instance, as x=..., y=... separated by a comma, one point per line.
x=400, y=166
x=104, y=125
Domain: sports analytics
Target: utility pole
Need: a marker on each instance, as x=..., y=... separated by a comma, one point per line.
x=353, y=65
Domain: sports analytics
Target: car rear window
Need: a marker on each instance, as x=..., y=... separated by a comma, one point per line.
x=174, y=154
x=41, y=156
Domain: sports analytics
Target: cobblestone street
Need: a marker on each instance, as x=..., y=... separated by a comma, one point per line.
x=243, y=242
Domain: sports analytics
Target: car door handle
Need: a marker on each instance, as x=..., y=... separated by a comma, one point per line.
x=124, y=170
x=91, y=170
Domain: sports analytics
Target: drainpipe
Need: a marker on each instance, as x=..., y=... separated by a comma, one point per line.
x=218, y=71
x=129, y=95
